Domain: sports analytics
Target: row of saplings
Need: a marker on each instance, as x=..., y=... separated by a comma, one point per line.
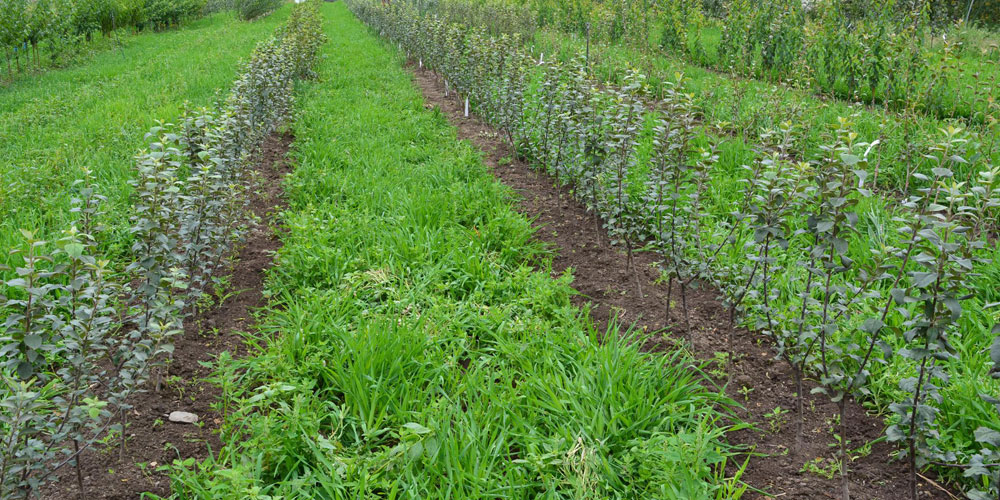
x=34, y=32
x=29, y=28
x=649, y=184
x=874, y=52
x=81, y=334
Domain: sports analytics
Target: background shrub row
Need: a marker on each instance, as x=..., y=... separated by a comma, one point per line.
x=33, y=30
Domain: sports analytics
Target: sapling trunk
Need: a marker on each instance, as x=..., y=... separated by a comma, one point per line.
x=543, y=152
x=121, y=419
x=75, y=455
x=9, y=446
x=765, y=282
x=27, y=470
x=799, y=368
x=885, y=313
x=79, y=470
x=670, y=291
x=912, y=438
x=659, y=231
x=684, y=306
x=599, y=227
x=742, y=295
x=635, y=272
x=730, y=348
x=845, y=491
x=620, y=197
x=827, y=295
x=673, y=241
x=800, y=409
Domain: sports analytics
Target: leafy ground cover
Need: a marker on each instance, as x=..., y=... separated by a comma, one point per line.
x=417, y=346
x=95, y=116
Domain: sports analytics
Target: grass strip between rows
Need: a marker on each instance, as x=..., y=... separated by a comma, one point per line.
x=417, y=345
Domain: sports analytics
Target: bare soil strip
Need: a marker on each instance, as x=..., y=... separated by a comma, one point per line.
x=760, y=383
x=152, y=440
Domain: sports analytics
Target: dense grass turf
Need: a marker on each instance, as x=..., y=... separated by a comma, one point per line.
x=417, y=346
x=95, y=116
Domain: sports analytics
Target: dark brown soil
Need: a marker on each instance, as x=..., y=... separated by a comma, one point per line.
x=601, y=275
x=152, y=440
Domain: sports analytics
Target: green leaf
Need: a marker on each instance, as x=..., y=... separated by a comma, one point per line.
x=942, y=172
x=862, y=176
x=840, y=245
x=74, y=250
x=416, y=428
x=921, y=280
x=24, y=370
x=872, y=325
x=895, y=434
x=849, y=160
x=33, y=341
x=995, y=352
x=988, y=436
x=954, y=306
x=886, y=349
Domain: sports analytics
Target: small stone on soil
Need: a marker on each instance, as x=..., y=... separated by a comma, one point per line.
x=183, y=417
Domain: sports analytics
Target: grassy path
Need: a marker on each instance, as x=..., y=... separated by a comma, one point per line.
x=417, y=345
x=95, y=116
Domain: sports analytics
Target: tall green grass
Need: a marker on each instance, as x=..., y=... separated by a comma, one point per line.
x=417, y=345
x=94, y=116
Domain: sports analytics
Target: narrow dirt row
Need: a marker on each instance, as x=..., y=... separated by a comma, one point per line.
x=760, y=384
x=152, y=440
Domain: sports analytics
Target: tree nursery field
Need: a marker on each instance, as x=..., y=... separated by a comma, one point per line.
x=586, y=249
